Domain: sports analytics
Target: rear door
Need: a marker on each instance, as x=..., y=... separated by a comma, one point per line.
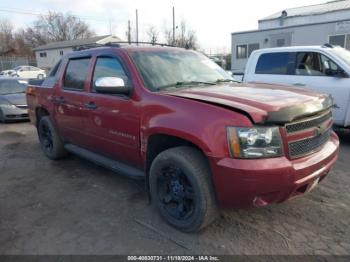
x=69, y=101
x=114, y=120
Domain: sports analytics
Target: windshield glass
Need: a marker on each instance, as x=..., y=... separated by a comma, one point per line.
x=12, y=86
x=342, y=53
x=161, y=70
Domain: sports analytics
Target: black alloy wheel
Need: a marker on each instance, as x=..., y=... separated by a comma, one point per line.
x=181, y=188
x=175, y=193
x=45, y=136
x=50, y=141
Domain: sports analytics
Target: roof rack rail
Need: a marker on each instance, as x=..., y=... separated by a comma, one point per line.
x=120, y=43
x=88, y=46
x=117, y=44
x=328, y=45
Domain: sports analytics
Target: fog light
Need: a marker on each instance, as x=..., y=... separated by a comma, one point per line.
x=266, y=199
x=259, y=202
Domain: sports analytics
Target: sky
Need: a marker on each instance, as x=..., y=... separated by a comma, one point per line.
x=213, y=21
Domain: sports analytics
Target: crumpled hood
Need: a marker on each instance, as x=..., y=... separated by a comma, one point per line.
x=265, y=103
x=15, y=99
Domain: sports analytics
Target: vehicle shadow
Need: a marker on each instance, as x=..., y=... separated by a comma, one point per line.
x=344, y=137
x=14, y=122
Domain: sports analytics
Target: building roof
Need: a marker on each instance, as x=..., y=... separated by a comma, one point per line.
x=323, y=8
x=74, y=43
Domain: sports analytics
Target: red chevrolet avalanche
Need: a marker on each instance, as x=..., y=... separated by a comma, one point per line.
x=200, y=140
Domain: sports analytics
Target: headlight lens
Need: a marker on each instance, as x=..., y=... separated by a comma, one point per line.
x=256, y=142
x=6, y=104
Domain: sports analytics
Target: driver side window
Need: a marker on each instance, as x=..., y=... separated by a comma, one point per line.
x=308, y=64
x=108, y=67
x=314, y=64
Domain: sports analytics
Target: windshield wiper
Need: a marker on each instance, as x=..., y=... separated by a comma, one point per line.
x=226, y=80
x=185, y=83
x=14, y=93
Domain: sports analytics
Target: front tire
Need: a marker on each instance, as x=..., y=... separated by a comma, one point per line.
x=50, y=142
x=181, y=188
x=2, y=117
x=40, y=77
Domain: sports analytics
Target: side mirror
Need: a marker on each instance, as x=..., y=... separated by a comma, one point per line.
x=111, y=85
x=340, y=73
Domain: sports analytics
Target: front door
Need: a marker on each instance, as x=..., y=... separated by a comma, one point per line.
x=311, y=72
x=114, y=122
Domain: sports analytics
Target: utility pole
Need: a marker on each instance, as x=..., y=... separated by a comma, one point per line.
x=137, y=27
x=173, y=25
x=129, y=32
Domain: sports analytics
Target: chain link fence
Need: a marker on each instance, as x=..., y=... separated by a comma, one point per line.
x=9, y=62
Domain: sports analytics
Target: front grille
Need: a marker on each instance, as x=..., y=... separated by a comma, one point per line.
x=308, y=145
x=17, y=116
x=308, y=123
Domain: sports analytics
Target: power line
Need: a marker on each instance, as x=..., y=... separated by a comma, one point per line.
x=29, y=12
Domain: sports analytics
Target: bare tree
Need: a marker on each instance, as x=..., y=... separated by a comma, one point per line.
x=20, y=45
x=57, y=27
x=184, y=37
x=6, y=36
x=152, y=34
x=168, y=36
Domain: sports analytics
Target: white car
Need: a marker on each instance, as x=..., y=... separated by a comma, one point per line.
x=30, y=72
x=6, y=73
x=325, y=69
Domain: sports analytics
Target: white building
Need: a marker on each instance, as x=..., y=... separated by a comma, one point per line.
x=48, y=55
x=308, y=25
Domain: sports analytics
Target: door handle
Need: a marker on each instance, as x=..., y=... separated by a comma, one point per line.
x=59, y=100
x=299, y=84
x=90, y=105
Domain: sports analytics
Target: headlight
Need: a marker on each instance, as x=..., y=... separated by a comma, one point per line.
x=255, y=142
x=6, y=104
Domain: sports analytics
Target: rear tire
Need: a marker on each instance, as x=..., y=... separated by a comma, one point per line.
x=50, y=142
x=40, y=77
x=182, y=190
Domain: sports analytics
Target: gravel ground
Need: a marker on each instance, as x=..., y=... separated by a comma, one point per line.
x=74, y=207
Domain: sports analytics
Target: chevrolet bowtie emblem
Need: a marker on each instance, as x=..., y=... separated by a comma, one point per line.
x=319, y=130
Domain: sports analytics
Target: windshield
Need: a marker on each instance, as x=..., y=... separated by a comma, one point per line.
x=342, y=53
x=161, y=70
x=12, y=87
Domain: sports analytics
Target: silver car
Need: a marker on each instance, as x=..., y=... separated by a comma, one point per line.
x=13, y=104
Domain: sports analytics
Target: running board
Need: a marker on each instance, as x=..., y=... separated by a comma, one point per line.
x=106, y=162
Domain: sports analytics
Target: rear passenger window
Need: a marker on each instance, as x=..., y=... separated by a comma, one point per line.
x=76, y=73
x=108, y=67
x=273, y=63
